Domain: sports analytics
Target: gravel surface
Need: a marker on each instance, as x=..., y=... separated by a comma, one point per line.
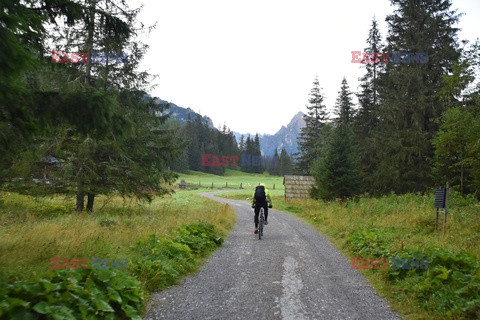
x=293, y=273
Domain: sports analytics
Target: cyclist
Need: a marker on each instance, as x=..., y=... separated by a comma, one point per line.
x=261, y=198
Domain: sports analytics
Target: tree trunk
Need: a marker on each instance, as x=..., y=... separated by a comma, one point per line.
x=89, y=47
x=89, y=44
x=90, y=199
x=461, y=180
x=80, y=203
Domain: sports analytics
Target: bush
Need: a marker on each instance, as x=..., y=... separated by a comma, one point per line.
x=199, y=237
x=372, y=242
x=455, y=199
x=73, y=294
x=450, y=286
x=164, y=261
x=110, y=293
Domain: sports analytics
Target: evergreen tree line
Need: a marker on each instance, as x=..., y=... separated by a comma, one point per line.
x=82, y=129
x=252, y=161
x=280, y=164
x=201, y=140
x=250, y=155
x=416, y=125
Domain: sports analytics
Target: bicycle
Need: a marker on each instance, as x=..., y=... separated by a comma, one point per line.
x=261, y=220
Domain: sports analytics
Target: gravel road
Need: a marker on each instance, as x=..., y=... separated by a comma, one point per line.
x=293, y=273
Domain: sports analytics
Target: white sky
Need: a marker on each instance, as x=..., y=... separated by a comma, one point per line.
x=251, y=63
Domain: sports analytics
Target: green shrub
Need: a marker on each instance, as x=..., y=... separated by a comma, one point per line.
x=373, y=242
x=455, y=199
x=164, y=260
x=73, y=294
x=400, y=273
x=200, y=237
x=156, y=274
x=449, y=287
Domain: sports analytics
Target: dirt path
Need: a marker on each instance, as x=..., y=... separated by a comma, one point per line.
x=293, y=273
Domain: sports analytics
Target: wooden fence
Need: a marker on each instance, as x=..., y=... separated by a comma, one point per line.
x=224, y=185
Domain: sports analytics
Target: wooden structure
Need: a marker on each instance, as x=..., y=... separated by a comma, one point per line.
x=182, y=184
x=298, y=187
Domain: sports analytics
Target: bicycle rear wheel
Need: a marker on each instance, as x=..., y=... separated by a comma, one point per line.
x=261, y=219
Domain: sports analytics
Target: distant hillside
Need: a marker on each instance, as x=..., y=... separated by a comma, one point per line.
x=181, y=114
x=286, y=137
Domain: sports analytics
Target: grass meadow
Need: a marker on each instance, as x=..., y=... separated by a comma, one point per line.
x=231, y=180
x=33, y=230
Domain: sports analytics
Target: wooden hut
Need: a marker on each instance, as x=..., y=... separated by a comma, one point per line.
x=298, y=187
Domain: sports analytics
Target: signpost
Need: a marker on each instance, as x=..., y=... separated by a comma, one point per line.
x=441, y=202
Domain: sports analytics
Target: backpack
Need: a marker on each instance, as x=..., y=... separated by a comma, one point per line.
x=260, y=196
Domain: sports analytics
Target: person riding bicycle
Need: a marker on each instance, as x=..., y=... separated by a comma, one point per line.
x=261, y=198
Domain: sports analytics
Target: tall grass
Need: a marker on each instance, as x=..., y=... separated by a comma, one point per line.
x=33, y=230
x=410, y=219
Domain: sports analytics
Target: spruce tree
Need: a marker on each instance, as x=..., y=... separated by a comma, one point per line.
x=23, y=41
x=312, y=139
x=284, y=163
x=101, y=126
x=274, y=168
x=246, y=158
x=409, y=92
x=257, y=156
x=369, y=97
x=242, y=144
x=344, y=106
x=110, y=27
x=180, y=164
x=336, y=171
x=367, y=117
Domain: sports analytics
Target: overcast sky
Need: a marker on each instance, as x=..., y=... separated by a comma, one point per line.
x=251, y=63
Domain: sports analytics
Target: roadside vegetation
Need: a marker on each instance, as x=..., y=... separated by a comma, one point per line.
x=162, y=241
x=404, y=226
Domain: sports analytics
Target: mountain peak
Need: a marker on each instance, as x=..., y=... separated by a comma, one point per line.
x=286, y=137
x=297, y=118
